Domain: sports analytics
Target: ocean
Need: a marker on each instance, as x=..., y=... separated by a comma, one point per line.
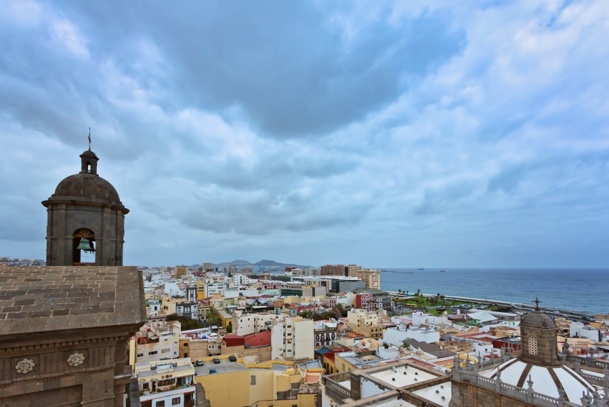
x=581, y=290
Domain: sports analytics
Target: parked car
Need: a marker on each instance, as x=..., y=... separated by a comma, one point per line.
x=199, y=363
x=216, y=361
x=232, y=358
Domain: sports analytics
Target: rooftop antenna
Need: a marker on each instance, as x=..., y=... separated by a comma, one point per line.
x=89, y=138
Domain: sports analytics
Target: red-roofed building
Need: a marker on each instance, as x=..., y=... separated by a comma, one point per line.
x=233, y=340
x=258, y=340
x=255, y=346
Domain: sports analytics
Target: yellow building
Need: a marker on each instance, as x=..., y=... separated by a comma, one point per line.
x=275, y=383
x=200, y=290
x=181, y=271
x=226, y=318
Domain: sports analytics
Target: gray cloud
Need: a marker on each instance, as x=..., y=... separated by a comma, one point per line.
x=395, y=135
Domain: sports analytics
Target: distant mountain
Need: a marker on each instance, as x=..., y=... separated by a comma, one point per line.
x=268, y=263
x=262, y=263
x=235, y=263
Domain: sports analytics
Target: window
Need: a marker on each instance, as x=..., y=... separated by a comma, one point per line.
x=160, y=403
x=154, y=352
x=139, y=355
x=175, y=401
x=252, y=380
x=533, y=345
x=186, y=344
x=165, y=350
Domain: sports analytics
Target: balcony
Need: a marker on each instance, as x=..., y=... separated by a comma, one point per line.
x=146, y=394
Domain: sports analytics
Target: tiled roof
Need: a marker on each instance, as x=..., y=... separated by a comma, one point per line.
x=38, y=299
x=262, y=338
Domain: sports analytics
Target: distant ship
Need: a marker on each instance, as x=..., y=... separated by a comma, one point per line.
x=421, y=268
x=442, y=271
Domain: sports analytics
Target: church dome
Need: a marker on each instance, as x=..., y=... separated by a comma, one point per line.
x=547, y=380
x=537, y=319
x=87, y=187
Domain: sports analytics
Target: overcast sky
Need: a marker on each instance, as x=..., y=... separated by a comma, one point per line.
x=386, y=134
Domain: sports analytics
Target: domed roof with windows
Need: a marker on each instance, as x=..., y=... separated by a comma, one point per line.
x=539, y=368
x=552, y=381
x=87, y=186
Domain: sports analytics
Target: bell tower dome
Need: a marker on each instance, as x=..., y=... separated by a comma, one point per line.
x=85, y=219
x=538, y=336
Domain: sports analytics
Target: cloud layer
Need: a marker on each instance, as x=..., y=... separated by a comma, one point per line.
x=392, y=134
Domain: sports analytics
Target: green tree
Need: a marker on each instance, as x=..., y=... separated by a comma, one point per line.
x=186, y=323
x=306, y=314
x=340, y=311
x=213, y=316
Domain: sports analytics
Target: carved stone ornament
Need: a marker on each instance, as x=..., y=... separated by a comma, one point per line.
x=25, y=366
x=76, y=359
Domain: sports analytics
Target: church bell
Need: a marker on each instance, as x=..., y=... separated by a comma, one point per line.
x=86, y=245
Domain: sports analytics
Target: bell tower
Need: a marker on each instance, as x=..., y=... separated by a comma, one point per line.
x=85, y=219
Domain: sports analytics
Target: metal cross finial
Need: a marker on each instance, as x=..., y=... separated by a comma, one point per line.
x=536, y=303
x=89, y=138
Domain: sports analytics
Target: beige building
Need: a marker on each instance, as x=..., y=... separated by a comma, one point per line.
x=366, y=323
x=200, y=348
x=352, y=270
x=370, y=277
x=156, y=340
x=293, y=338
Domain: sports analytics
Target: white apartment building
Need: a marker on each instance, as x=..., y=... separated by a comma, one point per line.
x=421, y=318
x=170, y=383
x=246, y=324
x=212, y=288
x=239, y=279
x=172, y=289
x=292, y=339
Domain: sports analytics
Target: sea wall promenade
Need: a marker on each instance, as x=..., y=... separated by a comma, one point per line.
x=570, y=314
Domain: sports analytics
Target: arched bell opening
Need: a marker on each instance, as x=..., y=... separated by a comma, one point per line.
x=83, y=247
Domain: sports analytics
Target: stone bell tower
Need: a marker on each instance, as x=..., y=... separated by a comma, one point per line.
x=85, y=222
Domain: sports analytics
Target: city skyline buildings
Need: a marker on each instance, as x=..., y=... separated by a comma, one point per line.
x=389, y=135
